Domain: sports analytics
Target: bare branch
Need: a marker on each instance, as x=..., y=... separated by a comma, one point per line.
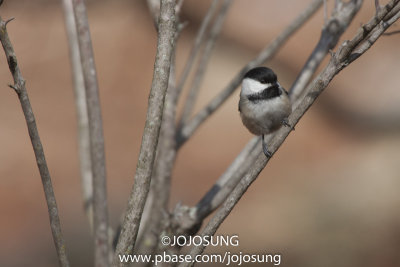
x=204, y=59
x=20, y=89
x=157, y=201
x=166, y=37
x=342, y=15
x=97, y=155
x=268, y=52
x=187, y=220
x=344, y=56
x=197, y=43
x=227, y=181
x=81, y=110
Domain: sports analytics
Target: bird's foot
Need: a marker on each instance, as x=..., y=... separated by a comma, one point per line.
x=285, y=122
x=265, y=149
x=266, y=152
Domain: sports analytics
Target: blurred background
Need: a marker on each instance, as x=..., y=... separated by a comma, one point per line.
x=329, y=197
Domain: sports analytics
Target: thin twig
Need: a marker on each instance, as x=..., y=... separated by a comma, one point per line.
x=344, y=56
x=342, y=16
x=196, y=45
x=81, y=111
x=268, y=52
x=137, y=199
x=20, y=89
x=97, y=155
x=202, y=64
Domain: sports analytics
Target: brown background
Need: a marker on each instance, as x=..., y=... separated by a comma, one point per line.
x=329, y=197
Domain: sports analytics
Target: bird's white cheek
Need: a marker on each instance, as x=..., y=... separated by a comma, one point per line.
x=250, y=86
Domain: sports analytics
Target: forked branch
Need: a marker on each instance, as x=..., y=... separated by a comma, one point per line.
x=144, y=169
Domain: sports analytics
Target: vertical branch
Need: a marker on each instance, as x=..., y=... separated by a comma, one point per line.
x=161, y=178
x=137, y=199
x=204, y=59
x=100, y=213
x=81, y=110
x=20, y=89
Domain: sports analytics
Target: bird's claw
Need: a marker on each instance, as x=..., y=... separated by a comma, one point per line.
x=266, y=152
x=285, y=122
x=265, y=149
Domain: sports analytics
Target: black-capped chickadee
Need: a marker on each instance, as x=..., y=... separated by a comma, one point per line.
x=264, y=104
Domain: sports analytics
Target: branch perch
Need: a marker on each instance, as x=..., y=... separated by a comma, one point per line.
x=346, y=53
x=342, y=15
x=20, y=89
x=188, y=219
x=267, y=53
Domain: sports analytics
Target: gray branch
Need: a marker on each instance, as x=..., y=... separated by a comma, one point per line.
x=97, y=155
x=157, y=202
x=81, y=111
x=197, y=43
x=267, y=53
x=341, y=17
x=203, y=61
x=346, y=53
x=137, y=199
x=228, y=180
x=20, y=89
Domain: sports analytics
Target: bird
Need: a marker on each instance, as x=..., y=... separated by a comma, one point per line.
x=264, y=105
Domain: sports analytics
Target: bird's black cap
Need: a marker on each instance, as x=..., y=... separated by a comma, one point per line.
x=261, y=74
